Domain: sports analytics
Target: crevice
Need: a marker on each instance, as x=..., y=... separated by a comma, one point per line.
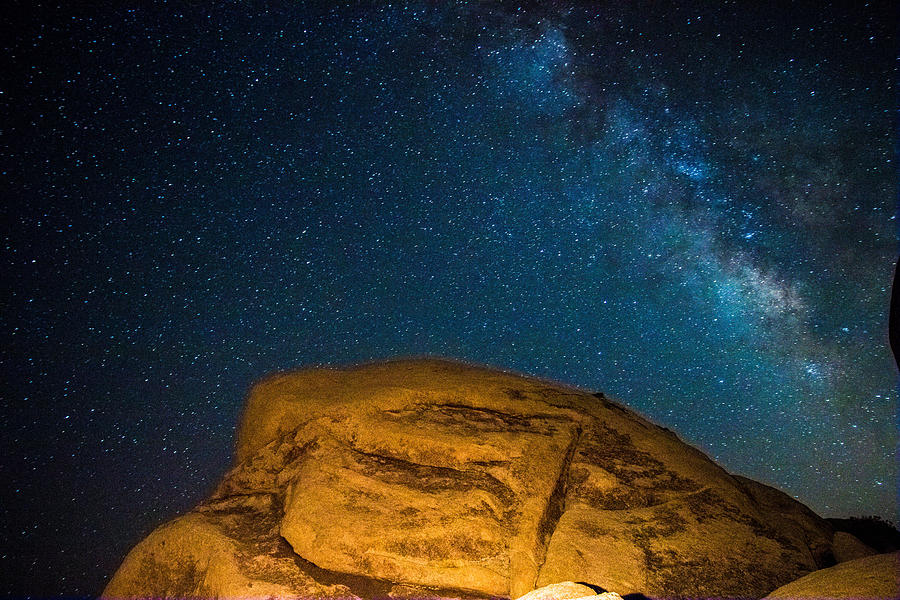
x=430, y=478
x=359, y=585
x=372, y=588
x=478, y=415
x=556, y=505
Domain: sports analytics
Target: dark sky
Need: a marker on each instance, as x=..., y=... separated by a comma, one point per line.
x=690, y=208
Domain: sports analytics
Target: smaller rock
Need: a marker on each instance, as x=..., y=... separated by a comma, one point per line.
x=848, y=547
x=870, y=577
x=568, y=590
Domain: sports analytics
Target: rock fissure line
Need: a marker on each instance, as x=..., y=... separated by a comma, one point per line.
x=371, y=588
x=556, y=504
x=430, y=478
x=359, y=585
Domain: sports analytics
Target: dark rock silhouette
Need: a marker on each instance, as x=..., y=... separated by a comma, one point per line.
x=431, y=478
x=847, y=546
x=878, y=534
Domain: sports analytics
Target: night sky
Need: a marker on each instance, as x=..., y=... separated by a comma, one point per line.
x=689, y=208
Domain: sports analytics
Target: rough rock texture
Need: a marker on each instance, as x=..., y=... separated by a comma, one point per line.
x=848, y=547
x=870, y=577
x=210, y=555
x=434, y=478
x=568, y=590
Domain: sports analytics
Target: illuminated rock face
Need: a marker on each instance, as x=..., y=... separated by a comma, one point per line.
x=569, y=590
x=434, y=478
x=876, y=576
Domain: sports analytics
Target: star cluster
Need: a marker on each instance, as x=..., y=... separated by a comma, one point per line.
x=690, y=208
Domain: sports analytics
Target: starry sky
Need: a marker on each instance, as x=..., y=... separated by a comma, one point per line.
x=688, y=206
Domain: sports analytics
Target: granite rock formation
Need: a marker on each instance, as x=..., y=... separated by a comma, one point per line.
x=435, y=478
x=847, y=546
x=871, y=577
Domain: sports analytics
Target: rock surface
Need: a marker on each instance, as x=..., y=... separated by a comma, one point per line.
x=870, y=577
x=569, y=590
x=435, y=478
x=848, y=547
x=201, y=555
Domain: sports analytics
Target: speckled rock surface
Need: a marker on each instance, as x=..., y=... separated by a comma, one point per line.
x=435, y=478
x=871, y=577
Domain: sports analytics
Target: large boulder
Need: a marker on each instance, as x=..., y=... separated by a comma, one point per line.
x=203, y=555
x=871, y=577
x=435, y=478
x=569, y=590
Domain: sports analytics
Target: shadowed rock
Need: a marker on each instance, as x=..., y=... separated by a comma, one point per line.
x=848, y=547
x=429, y=478
x=874, y=532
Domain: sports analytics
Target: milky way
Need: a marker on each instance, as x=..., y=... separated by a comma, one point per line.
x=692, y=210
